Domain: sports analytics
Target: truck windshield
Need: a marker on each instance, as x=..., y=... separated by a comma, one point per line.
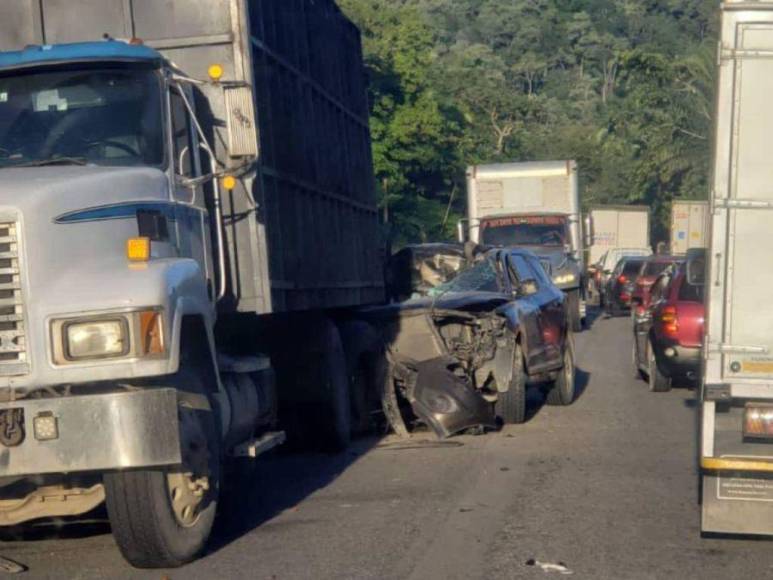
x=524, y=231
x=105, y=116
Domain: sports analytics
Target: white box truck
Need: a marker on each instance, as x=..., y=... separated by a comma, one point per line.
x=534, y=205
x=689, y=225
x=736, y=435
x=617, y=226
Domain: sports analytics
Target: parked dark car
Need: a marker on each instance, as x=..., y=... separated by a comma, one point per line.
x=619, y=289
x=461, y=357
x=652, y=267
x=668, y=335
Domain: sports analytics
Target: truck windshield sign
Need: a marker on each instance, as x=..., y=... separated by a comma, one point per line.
x=524, y=231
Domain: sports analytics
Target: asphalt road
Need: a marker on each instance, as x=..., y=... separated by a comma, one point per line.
x=607, y=487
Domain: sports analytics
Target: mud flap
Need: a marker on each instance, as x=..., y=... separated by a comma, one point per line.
x=737, y=504
x=446, y=401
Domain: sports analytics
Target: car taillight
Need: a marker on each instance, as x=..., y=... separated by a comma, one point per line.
x=622, y=279
x=758, y=422
x=670, y=319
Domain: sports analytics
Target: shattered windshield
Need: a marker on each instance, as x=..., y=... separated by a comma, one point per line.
x=99, y=115
x=482, y=277
x=524, y=231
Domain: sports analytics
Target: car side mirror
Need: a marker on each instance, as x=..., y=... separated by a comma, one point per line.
x=696, y=272
x=528, y=288
x=588, y=231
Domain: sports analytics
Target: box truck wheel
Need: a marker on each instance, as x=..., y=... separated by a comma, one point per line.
x=162, y=518
x=573, y=304
x=511, y=405
x=563, y=391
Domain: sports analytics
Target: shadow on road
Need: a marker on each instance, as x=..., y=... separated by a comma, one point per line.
x=279, y=482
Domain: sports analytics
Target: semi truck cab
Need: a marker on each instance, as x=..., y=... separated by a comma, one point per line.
x=111, y=266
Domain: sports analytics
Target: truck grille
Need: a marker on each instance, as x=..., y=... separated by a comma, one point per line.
x=13, y=343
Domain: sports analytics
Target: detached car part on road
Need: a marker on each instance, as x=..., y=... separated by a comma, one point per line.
x=461, y=358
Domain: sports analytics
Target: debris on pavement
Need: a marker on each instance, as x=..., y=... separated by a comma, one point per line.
x=560, y=567
x=10, y=567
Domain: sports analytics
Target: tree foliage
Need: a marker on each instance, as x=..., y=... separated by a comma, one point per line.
x=623, y=86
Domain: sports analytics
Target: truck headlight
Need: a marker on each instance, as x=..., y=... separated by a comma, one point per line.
x=96, y=339
x=138, y=334
x=564, y=279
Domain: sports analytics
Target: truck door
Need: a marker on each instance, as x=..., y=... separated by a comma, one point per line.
x=191, y=218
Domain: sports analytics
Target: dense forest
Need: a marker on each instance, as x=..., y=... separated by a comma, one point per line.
x=623, y=86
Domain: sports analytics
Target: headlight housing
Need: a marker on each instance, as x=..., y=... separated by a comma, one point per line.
x=564, y=279
x=96, y=339
x=118, y=336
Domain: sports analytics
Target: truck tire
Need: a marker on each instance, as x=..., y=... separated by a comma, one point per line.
x=162, y=518
x=658, y=382
x=563, y=391
x=363, y=348
x=573, y=304
x=336, y=426
x=510, y=406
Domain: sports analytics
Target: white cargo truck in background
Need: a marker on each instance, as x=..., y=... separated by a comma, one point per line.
x=616, y=226
x=183, y=217
x=689, y=225
x=534, y=205
x=736, y=434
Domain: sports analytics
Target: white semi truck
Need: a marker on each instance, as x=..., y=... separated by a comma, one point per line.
x=534, y=205
x=182, y=218
x=736, y=435
x=689, y=226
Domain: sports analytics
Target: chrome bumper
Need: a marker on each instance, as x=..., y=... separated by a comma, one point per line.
x=96, y=433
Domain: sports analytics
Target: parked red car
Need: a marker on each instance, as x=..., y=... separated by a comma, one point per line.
x=668, y=335
x=650, y=270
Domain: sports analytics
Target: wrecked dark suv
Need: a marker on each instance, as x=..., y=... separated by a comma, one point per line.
x=460, y=358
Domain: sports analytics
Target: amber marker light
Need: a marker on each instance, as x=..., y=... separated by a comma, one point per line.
x=138, y=249
x=215, y=72
x=229, y=182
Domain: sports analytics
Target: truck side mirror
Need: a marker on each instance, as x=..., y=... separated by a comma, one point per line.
x=588, y=231
x=241, y=122
x=461, y=231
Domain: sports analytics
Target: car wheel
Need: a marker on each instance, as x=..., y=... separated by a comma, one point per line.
x=638, y=373
x=563, y=390
x=510, y=406
x=659, y=383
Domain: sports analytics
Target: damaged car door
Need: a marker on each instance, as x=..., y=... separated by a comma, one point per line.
x=526, y=289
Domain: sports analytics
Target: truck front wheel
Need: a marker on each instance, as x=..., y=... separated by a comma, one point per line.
x=162, y=518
